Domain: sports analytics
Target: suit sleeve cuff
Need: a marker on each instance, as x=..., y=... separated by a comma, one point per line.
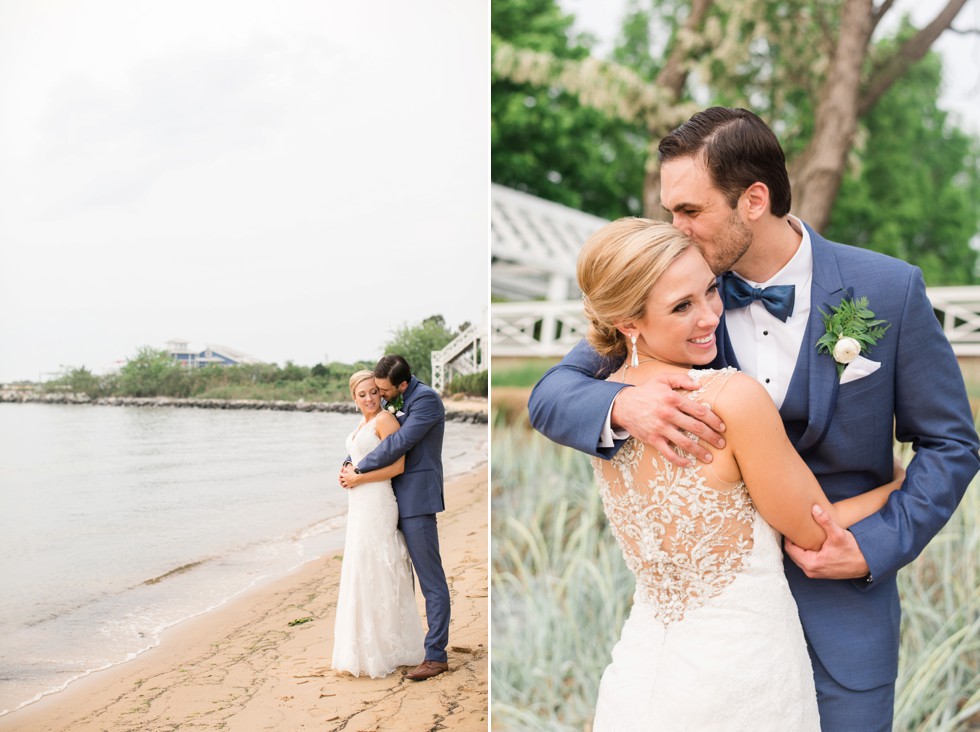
x=608, y=436
x=865, y=532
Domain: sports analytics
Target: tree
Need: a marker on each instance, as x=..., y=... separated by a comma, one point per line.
x=740, y=53
x=151, y=373
x=78, y=381
x=416, y=344
x=545, y=140
x=923, y=207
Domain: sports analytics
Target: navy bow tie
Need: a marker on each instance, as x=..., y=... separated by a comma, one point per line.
x=777, y=299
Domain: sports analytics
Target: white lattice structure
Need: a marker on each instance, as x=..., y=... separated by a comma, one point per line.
x=534, y=244
x=465, y=354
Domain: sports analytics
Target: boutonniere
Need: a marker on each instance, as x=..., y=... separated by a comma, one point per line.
x=851, y=329
x=395, y=405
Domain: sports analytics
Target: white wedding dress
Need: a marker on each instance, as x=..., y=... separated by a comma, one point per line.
x=377, y=627
x=713, y=641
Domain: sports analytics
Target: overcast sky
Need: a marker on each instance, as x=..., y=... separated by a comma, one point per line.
x=292, y=179
x=961, y=53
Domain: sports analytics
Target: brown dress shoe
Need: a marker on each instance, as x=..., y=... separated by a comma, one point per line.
x=426, y=670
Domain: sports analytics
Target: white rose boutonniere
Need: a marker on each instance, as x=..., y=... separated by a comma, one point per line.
x=395, y=405
x=846, y=350
x=851, y=329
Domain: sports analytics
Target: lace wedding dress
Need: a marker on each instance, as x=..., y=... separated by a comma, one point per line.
x=377, y=627
x=713, y=641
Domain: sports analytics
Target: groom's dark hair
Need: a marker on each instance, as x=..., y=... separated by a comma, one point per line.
x=394, y=368
x=738, y=149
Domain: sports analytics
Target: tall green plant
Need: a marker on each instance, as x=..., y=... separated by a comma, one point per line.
x=417, y=342
x=150, y=372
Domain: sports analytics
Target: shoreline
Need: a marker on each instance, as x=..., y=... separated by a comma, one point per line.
x=466, y=409
x=241, y=666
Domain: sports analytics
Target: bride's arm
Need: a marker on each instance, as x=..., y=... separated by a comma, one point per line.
x=780, y=483
x=384, y=425
x=859, y=507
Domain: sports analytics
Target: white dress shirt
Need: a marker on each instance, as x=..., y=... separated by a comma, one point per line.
x=767, y=348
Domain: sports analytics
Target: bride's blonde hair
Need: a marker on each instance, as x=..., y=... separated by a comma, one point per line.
x=357, y=378
x=617, y=267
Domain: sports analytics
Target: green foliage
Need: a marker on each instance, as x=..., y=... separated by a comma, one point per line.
x=150, y=373
x=80, y=381
x=914, y=189
x=477, y=384
x=153, y=373
x=850, y=319
x=523, y=373
x=416, y=342
x=561, y=590
x=543, y=141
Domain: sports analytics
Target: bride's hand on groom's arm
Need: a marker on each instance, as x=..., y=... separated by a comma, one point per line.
x=840, y=557
x=348, y=478
x=654, y=413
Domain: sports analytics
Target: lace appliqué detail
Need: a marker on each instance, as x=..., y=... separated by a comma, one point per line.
x=683, y=532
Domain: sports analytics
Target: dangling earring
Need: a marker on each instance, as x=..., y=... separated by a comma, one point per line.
x=635, y=360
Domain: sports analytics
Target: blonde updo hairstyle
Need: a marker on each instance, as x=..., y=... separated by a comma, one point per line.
x=357, y=378
x=617, y=267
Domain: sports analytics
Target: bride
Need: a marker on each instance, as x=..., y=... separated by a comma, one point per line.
x=713, y=641
x=377, y=627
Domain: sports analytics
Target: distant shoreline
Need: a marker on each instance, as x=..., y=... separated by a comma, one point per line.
x=461, y=410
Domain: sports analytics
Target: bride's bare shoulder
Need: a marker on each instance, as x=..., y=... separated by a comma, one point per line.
x=741, y=398
x=385, y=424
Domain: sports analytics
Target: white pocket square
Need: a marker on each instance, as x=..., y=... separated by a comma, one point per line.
x=858, y=369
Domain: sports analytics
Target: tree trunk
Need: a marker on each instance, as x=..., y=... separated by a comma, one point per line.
x=673, y=76
x=914, y=49
x=818, y=171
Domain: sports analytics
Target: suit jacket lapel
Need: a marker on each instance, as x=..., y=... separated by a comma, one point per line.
x=826, y=290
x=726, y=354
x=726, y=350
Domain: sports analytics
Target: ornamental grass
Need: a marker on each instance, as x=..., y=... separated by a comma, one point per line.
x=561, y=593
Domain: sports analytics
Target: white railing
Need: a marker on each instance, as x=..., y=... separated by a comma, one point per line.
x=958, y=309
x=545, y=328
x=462, y=355
x=549, y=329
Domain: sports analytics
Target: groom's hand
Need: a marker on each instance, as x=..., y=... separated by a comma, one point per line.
x=840, y=557
x=656, y=414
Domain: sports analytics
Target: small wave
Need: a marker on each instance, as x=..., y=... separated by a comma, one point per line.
x=173, y=572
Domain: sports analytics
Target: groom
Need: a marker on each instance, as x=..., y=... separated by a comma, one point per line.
x=724, y=181
x=419, y=494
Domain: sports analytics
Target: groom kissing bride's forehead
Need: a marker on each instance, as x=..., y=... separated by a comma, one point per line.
x=392, y=374
x=838, y=394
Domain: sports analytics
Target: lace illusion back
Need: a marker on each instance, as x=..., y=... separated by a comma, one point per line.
x=684, y=532
x=713, y=640
x=377, y=627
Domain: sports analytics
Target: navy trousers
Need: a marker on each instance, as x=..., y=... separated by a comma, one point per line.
x=422, y=539
x=847, y=710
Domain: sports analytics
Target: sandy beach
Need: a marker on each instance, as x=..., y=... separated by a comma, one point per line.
x=243, y=667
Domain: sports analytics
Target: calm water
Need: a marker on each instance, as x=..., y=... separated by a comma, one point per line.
x=119, y=522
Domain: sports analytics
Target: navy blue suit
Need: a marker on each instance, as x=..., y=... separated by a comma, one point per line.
x=419, y=492
x=844, y=433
